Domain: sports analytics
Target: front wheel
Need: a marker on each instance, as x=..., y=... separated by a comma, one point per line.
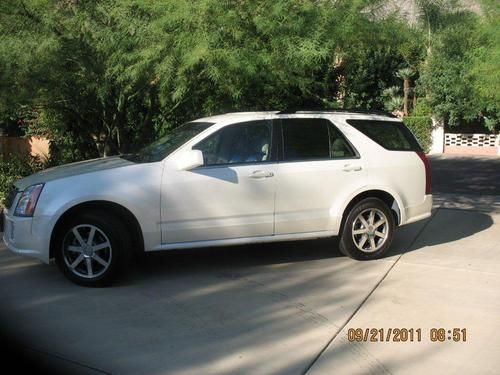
x=92, y=249
x=368, y=230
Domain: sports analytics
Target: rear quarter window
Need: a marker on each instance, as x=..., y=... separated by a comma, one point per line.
x=391, y=135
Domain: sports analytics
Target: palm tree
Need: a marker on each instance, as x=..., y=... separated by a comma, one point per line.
x=394, y=104
x=405, y=74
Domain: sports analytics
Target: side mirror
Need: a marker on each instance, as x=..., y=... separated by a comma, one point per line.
x=190, y=159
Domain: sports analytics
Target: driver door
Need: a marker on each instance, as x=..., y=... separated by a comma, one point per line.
x=230, y=196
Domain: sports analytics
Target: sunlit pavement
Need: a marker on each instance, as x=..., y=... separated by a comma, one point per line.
x=449, y=278
x=275, y=309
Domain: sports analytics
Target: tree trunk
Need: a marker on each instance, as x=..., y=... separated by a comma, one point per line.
x=147, y=131
x=101, y=141
x=406, y=90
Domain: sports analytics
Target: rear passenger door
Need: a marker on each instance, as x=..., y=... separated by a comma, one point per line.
x=317, y=166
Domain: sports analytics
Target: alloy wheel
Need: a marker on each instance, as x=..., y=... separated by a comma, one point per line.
x=87, y=251
x=370, y=230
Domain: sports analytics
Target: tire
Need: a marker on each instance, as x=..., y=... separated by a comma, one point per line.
x=93, y=249
x=368, y=230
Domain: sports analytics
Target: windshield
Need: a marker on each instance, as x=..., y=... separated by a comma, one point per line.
x=164, y=146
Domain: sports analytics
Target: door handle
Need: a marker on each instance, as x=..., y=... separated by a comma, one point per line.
x=261, y=174
x=350, y=168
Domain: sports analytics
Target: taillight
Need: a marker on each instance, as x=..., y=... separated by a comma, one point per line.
x=427, y=165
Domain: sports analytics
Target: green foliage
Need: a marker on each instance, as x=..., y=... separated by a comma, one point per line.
x=421, y=127
x=391, y=92
x=109, y=74
x=102, y=77
x=394, y=103
x=15, y=167
x=484, y=73
x=369, y=72
x=423, y=108
x=442, y=77
x=405, y=73
x=461, y=76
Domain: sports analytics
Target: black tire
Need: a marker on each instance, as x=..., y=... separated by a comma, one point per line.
x=111, y=245
x=349, y=242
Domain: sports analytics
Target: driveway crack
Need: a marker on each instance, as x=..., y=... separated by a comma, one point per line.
x=59, y=357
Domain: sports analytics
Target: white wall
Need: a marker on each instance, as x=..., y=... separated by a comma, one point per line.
x=437, y=146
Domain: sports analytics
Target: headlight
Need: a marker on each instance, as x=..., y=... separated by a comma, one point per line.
x=27, y=203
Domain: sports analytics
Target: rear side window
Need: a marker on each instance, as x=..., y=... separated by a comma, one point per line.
x=313, y=139
x=391, y=135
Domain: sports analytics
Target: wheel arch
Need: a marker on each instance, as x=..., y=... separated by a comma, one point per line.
x=127, y=218
x=386, y=197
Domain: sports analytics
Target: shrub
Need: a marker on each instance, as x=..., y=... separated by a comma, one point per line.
x=14, y=167
x=422, y=109
x=421, y=127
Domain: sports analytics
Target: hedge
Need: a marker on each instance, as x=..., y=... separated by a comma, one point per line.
x=14, y=167
x=421, y=127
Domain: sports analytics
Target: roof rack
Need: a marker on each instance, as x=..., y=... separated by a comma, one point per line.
x=370, y=112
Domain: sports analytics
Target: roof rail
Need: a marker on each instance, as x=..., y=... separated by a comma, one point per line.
x=365, y=111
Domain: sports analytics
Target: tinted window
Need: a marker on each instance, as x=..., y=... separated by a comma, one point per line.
x=392, y=135
x=305, y=139
x=248, y=142
x=313, y=139
x=339, y=147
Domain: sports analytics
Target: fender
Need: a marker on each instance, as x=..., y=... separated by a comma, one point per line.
x=340, y=205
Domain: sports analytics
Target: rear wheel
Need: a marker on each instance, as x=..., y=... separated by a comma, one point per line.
x=93, y=248
x=368, y=230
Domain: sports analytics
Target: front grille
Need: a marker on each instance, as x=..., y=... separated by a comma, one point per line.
x=10, y=198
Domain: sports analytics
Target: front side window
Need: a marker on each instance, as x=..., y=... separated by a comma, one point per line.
x=313, y=139
x=164, y=146
x=248, y=142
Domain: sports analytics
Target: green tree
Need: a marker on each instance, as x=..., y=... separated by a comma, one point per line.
x=101, y=77
x=108, y=75
x=484, y=74
x=460, y=74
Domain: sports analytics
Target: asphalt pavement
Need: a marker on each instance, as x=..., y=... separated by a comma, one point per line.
x=290, y=308
x=476, y=175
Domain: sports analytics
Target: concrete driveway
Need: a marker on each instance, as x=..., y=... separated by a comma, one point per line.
x=281, y=309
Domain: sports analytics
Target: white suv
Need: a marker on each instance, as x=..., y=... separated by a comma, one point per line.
x=232, y=179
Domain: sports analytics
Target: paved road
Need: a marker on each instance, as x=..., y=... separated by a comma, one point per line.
x=278, y=309
x=466, y=175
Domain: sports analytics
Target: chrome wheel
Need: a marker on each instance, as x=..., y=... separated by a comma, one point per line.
x=87, y=251
x=370, y=230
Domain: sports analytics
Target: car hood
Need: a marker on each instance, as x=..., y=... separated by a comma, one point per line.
x=73, y=169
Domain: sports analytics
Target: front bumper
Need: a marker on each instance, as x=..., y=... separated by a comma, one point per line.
x=29, y=236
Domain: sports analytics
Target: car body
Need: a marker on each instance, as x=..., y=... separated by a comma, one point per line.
x=229, y=179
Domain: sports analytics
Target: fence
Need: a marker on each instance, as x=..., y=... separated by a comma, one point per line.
x=472, y=144
x=19, y=146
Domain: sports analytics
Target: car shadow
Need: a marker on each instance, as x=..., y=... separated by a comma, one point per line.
x=445, y=226
x=232, y=257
